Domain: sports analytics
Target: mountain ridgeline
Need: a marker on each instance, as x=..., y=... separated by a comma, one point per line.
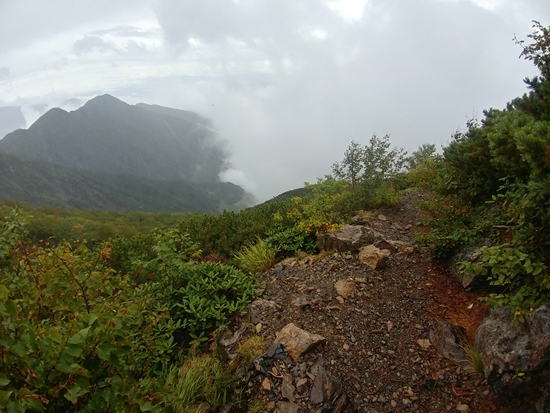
x=114, y=156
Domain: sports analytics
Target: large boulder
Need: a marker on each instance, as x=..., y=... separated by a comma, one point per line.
x=516, y=357
x=349, y=239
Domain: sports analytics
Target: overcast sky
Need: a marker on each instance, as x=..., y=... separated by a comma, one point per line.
x=288, y=84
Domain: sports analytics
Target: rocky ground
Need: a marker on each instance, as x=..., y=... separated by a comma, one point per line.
x=376, y=355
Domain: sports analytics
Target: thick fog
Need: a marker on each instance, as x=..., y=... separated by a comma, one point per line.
x=288, y=84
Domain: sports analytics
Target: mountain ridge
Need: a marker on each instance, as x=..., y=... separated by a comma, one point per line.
x=162, y=146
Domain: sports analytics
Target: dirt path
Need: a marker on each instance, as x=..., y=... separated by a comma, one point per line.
x=376, y=338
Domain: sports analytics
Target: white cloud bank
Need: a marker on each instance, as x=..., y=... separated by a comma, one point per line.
x=287, y=83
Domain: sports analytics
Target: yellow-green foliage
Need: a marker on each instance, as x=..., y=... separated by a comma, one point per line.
x=384, y=196
x=94, y=226
x=257, y=406
x=251, y=348
x=325, y=209
x=256, y=258
x=68, y=323
x=424, y=175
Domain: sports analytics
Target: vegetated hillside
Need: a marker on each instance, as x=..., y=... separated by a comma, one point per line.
x=142, y=157
x=109, y=135
x=44, y=183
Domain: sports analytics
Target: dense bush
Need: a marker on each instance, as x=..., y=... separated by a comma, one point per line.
x=325, y=210
x=201, y=297
x=73, y=335
x=230, y=231
x=76, y=336
x=499, y=172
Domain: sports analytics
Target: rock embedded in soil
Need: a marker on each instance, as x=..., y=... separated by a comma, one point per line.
x=344, y=288
x=516, y=358
x=374, y=257
x=288, y=407
x=326, y=390
x=350, y=238
x=449, y=340
x=297, y=341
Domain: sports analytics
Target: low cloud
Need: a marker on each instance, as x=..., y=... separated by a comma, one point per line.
x=4, y=73
x=90, y=44
x=288, y=84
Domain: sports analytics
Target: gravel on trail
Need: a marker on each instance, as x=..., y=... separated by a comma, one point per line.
x=377, y=339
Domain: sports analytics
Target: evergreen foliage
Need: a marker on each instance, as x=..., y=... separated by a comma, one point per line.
x=499, y=170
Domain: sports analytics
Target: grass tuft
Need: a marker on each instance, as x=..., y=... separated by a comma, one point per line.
x=200, y=385
x=256, y=258
x=251, y=348
x=476, y=361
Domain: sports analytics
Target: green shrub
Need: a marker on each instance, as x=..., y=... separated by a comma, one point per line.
x=498, y=172
x=201, y=297
x=290, y=241
x=325, y=210
x=73, y=335
x=229, y=232
x=522, y=274
x=452, y=224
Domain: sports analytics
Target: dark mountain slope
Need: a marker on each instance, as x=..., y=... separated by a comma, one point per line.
x=40, y=183
x=109, y=135
x=114, y=156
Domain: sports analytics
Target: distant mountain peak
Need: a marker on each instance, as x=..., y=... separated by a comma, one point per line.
x=148, y=142
x=105, y=101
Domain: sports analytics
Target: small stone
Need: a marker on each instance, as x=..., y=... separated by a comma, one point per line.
x=462, y=407
x=424, y=343
x=287, y=407
x=345, y=347
x=382, y=217
x=287, y=389
x=301, y=301
x=393, y=403
x=344, y=288
x=301, y=384
x=266, y=384
x=258, y=327
x=340, y=299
